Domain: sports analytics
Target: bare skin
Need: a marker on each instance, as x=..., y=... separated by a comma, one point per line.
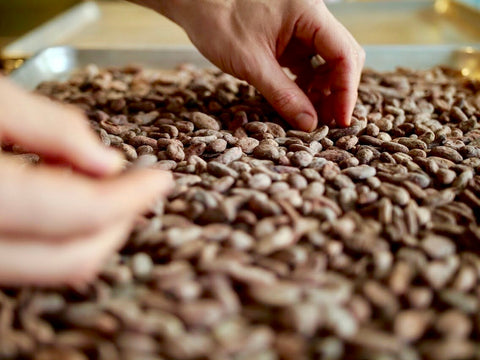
x=254, y=39
x=57, y=226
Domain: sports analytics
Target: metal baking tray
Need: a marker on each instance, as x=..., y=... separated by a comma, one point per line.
x=57, y=63
x=119, y=24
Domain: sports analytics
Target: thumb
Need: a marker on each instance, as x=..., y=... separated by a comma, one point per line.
x=283, y=94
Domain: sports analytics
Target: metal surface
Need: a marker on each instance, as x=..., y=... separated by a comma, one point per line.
x=121, y=25
x=57, y=63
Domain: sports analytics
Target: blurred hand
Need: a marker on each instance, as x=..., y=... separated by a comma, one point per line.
x=253, y=39
x=57, y=226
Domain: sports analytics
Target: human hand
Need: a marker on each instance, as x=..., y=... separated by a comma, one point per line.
x=57, y=226
x=253, y=39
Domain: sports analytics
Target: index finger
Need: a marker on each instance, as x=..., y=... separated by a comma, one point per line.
x=331, y=40
x=44, y=201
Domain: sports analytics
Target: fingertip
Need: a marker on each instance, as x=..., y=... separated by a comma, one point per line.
x=114, y=160
x=343, y=121
x=343, y=103
x=166, y=179
x=162, y=175
x=135, y=191
x=314, y=124
x=86, y=151
x=103, y=161
x=156, y=181
x=305, y=122
x=285, y=96
x=342, y=113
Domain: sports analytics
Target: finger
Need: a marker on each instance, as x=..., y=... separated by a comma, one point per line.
x=301, y=78
x=295, y=54
x=55, y=131
x=339, y=49
x=304, y=74
x=321, y=100
x=48, y=202
x=76, y=261
x=320, y=94
x=344, y=96
x=282, y=93
x=303, y=81
x=320, y=81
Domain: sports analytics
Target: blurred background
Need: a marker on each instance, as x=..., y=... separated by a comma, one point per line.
x=27, y=26
x=475, y=3
x=20, y=16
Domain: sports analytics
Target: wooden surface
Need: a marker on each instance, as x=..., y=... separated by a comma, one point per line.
x=125, y=25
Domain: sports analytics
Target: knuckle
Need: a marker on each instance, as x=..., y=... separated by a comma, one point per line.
x=348, y=63
x=284, y=98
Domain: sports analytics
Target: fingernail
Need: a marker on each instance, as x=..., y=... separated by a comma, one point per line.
x=345, y=123
x=305, y=121
x=349, y=121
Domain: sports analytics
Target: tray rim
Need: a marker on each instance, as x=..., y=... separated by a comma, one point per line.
x=191, y=47
x=190, y=50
